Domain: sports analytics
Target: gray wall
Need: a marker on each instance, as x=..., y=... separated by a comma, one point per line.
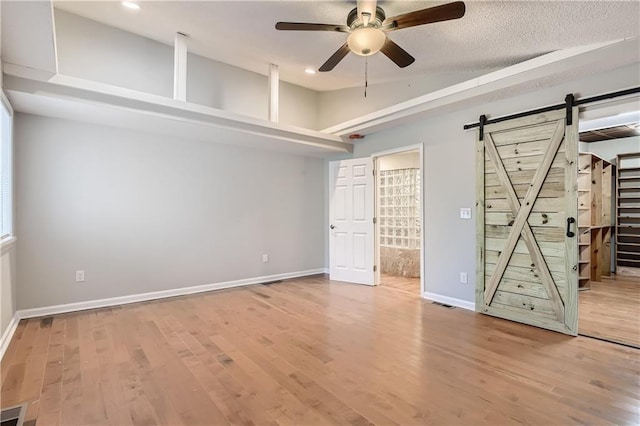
x=94, y=51
x=142, y=213
x=338, y=106
x=449, y=174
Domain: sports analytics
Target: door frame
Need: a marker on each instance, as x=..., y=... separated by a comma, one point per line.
x=376, y=228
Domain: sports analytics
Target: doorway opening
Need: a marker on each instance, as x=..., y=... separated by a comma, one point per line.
x=399, y=219
x=609, y=223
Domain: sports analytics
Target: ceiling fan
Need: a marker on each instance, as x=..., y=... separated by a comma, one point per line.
x=367, y=26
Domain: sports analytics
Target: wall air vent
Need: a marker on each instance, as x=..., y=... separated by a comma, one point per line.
x=13, y=416
x=444, y=305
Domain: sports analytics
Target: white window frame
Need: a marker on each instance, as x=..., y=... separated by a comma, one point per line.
x=10, y=238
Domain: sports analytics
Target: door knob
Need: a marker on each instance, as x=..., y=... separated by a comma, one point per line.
x=332, y=226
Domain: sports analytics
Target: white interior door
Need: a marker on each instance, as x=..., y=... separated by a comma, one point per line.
x=351, y=233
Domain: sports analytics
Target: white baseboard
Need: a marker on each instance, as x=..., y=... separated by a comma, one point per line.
x=8, y=334
x=450, y=301
x=123, y=300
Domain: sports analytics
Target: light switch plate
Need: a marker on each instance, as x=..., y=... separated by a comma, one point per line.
x=465, y=213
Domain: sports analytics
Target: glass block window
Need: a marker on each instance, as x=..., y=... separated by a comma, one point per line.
x=400, y=208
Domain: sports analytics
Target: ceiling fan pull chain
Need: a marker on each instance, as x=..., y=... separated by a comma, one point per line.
x=366, y=78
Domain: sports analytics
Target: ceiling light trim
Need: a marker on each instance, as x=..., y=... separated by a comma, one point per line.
x=130, y=5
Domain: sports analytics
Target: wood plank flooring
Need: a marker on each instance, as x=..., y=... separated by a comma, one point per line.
x=311, y=352
x=410, y=285
x=611, y=310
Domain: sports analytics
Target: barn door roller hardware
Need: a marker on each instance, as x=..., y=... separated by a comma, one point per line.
x=568, y=104
x=482, y=121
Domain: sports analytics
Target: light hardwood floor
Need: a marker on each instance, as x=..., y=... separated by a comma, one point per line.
x=311, y=352
x=410, y=285
x=611, y=310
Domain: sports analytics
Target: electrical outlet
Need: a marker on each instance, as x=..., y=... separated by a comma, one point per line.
x=265, y=258
x=79, y=276
x=463, y=277
x=465, y=213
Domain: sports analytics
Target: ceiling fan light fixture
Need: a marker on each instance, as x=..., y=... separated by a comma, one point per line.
x=309, y=71
x=366, y=41
x=130, y=5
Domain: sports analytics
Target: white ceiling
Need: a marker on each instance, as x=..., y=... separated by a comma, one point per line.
x=491, y=34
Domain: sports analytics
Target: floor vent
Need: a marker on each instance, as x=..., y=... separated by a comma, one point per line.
x=444, y=305
x=13, y=416
x=272, y=282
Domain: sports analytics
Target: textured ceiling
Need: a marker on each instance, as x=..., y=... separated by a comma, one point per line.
x=490, y=35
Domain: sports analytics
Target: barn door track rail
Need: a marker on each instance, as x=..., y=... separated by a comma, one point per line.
x=570, y=102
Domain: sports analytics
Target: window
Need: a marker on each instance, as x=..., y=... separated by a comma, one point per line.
x=400, y=208
x=6, y=163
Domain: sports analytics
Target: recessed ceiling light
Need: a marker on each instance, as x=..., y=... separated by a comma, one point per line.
x=131, y=5
x=309, y=70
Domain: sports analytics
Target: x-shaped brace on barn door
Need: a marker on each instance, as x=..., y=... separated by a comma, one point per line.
x=520, y=225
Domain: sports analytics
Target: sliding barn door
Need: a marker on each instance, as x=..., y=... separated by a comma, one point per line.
x=527, y=207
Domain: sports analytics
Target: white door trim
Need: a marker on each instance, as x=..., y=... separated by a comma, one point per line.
x=374, y=156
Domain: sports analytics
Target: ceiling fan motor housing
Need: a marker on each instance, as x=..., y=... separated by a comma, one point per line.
x=354, y=22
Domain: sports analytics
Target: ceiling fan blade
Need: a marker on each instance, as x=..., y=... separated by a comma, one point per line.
x=301, y=26
x=440, y=13
x=335, y=58
x=397, y=54
x=367, y=7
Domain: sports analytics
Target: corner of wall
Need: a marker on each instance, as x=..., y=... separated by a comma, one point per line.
x=8, y=333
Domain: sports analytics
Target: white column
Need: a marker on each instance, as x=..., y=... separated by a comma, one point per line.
x=274, y=85
x=180, y=68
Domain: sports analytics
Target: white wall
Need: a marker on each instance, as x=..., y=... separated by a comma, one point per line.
x=449, y=174
x=142, y=213
x=94, y=51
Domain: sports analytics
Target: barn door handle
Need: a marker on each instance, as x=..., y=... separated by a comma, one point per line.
x=570, y=233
